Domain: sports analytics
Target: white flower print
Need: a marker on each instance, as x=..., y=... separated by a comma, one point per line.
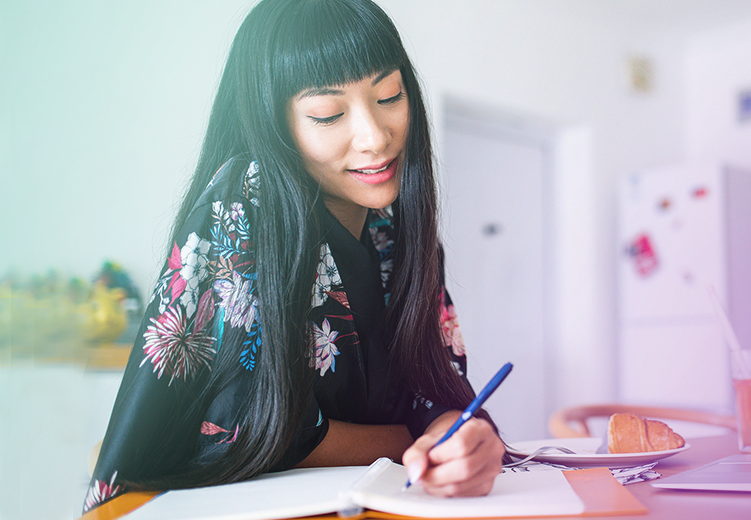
x=420, y=400
x=327, y=276
x=252, y=183
x=239, y=303
x=323, y=349
x=223, y=216
x=380, y=239
x=194, y=258
x=162, y=293
x=387, y=266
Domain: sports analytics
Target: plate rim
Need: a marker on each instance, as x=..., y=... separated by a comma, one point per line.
x=604, y=458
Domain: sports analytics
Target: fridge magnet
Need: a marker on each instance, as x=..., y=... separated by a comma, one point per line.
x=700, y=192
x=643, y=255
x=744, y=106
x=664, y=204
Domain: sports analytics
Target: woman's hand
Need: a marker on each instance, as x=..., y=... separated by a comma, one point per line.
x=464, y=465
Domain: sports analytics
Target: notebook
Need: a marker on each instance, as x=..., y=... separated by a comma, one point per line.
x=315, y=491
x=732, y=473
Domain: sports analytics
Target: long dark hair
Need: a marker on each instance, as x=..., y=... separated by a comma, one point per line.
x=282, y=48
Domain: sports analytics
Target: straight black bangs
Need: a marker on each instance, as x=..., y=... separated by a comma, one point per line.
x=324, y=43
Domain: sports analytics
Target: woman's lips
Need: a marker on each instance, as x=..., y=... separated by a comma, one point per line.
x=377, y=174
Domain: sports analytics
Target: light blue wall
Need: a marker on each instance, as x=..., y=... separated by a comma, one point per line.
x=106, y=104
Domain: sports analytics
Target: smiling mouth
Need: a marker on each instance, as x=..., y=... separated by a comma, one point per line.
x=373, y=171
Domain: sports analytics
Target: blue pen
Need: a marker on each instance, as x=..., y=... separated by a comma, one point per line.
x=475, y=405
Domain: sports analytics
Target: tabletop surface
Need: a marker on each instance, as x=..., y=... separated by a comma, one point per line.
x=693, y=505
x=668, y=504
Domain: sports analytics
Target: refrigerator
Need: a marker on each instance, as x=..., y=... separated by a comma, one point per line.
x=683, y=230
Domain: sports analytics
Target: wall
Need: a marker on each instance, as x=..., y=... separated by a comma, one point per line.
x=717, y=72
x=564, y=62
x=104, y=107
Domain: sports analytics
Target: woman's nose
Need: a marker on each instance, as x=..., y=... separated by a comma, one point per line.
x=370, y=134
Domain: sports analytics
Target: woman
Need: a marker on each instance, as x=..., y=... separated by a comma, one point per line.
x=301, y=318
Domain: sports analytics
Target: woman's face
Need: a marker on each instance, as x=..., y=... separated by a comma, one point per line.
x=352, y=138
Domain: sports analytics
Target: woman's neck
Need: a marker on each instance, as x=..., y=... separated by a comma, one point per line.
x=350, y=216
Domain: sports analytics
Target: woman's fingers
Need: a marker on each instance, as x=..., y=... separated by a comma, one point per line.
x=415, y=458
x=470, y=476
x=464, y=465
x=464, y=442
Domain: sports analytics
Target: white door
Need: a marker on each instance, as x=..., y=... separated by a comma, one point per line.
x=493, y=228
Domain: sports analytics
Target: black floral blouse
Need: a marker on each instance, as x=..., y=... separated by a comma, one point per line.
x=208, y=285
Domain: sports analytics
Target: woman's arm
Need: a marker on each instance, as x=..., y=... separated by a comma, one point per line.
x=464, y=465
x=349, y=444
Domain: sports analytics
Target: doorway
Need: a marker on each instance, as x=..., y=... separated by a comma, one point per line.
x=496, y=215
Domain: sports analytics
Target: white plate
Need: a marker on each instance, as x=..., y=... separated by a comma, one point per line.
x=585, y=456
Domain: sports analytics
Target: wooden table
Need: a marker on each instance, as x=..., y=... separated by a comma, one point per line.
x=662, y=503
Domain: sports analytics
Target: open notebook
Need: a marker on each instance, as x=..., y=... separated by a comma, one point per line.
x=307, y=492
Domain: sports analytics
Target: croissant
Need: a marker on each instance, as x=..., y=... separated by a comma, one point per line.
x=629, y=433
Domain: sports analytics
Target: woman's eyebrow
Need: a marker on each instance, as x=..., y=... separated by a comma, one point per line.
x=385, y=74
x=325, y=91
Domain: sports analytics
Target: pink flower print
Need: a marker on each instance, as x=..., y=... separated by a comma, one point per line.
x=323, y=349
x=168, y=292
x=174, y=261
x=205, y=311
x=172, y=349
x=238, y=301
x=236, y=211
x=101, y=491
x=340, y=296
x=194, y=259
x=209, y=428
x=452, y=335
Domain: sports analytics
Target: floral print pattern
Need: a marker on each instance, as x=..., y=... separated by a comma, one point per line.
x=233, y=269
x=209, y=288
x=381, y=233
x=327, y=277
x=193, y=257
x=100, y=491
x=238, y=301
x=323, y=348
x=252, y=183
x=452, y=334
x=211, y=429
x=171, y=348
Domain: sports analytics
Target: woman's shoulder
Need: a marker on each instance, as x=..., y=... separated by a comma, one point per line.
x=221, y=219
x=237, y=180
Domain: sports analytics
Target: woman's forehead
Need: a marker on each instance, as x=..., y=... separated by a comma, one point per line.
x=338, y=89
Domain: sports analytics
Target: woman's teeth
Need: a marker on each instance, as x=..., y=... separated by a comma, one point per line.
x=368, y=172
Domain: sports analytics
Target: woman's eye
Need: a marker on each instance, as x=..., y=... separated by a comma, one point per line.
x=391, y=100
x=325, y=120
